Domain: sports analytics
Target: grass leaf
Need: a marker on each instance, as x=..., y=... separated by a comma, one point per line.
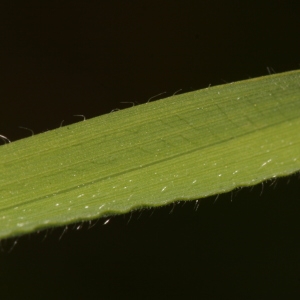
x=183, y=147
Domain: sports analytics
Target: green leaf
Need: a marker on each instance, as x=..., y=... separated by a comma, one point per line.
x=183, y=147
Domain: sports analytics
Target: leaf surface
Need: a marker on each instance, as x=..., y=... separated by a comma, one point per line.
x=184, y=147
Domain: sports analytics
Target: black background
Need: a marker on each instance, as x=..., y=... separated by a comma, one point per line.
x=64, y=58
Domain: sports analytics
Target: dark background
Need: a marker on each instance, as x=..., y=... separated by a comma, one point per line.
x=64, y=58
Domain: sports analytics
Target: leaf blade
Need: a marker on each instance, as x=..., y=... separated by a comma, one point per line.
x=180, y=148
